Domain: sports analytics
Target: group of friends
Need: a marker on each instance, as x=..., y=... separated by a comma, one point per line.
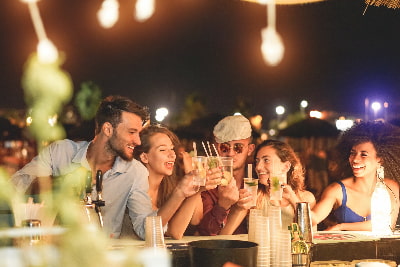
x=142, y=177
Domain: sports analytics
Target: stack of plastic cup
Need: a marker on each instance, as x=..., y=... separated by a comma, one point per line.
x=259, y=233
x=274, y=212
x=284, y=253
x=275, y=226
x=154, y=232
x=252, y=223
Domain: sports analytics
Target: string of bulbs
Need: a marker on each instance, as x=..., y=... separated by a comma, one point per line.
x=272, y=46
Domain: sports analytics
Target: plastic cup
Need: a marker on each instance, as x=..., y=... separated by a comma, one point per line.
x=276, y=186
x=251, y=185
x=199, y=164
x=226, y=164
x=154, y=232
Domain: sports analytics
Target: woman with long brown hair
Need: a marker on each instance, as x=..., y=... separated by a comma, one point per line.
x=273, y=157
x=158, y=152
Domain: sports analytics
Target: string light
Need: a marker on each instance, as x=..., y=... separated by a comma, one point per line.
x=109, y=13
x=287, y=2
x=144, y=9
x=46, y=50
x=272, y=46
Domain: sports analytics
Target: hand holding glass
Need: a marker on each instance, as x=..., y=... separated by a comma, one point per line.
x=226, y=166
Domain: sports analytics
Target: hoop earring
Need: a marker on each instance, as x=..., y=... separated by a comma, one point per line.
x=380, y=172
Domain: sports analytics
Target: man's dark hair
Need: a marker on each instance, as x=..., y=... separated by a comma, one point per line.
x=111, y=108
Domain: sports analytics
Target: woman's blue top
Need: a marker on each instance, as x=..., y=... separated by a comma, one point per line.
x=344, y=214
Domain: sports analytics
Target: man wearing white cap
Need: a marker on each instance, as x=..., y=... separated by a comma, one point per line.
x=233, y=139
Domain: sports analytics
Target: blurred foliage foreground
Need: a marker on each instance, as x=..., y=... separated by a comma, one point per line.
x=74, y=242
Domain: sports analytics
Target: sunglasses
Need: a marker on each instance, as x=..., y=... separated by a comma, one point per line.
x=226, y=147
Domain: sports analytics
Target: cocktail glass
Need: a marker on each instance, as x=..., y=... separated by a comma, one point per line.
x=276, y=189
x=226, y=166
x=199, y=164
x=251, y=185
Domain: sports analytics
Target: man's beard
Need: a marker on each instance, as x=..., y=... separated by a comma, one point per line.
x=118, y=149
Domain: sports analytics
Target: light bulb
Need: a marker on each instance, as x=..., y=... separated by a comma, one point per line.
x=47, y=52
x=272, y=46
x=144, y=9
x=29, y=1
x=108, y=13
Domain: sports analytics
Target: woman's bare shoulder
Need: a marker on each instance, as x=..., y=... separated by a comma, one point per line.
x=307, y=196
x=333, y=189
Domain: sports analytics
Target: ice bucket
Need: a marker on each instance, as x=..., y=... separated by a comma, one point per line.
x=214, y=253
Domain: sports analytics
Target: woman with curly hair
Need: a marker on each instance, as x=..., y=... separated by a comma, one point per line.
x=364, y=151
x=274, y=157
x=158, y=152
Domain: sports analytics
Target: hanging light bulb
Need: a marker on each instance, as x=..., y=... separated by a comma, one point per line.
x=272, y=46
x=109, y=13
x=286, y=2
x=47, y=52
x=29, y=1
x=144, y=9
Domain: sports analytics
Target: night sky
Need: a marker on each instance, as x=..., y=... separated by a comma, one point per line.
x=334, y=55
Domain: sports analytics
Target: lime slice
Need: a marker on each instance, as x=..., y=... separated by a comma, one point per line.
x=202, y=173
x=227, y=175
x=224, y=182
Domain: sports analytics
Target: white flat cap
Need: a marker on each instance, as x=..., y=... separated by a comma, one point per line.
x=232, y=128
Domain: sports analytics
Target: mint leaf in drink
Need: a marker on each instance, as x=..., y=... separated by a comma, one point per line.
x=275, y=184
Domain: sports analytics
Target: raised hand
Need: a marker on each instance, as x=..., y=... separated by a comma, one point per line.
x=245, y=199
x=228, y=195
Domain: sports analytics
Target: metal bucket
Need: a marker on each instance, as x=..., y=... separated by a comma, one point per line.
x=216, y=253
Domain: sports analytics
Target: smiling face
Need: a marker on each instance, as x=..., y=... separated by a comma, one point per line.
x=160, y=158
x=268, y=164
x=125, y=136
x=363, y=160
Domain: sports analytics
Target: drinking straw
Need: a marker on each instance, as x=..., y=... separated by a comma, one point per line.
x=205, y=150
x=250, y=170
x=219, y=158
x=216, y=151
x=194, y=149
x=209, y=148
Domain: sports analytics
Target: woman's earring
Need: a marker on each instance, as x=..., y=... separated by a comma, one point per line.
x=380, y=172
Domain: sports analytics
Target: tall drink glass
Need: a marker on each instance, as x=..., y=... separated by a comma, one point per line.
x=227, y=169
x=276, y=189
x=251, y=185
x=226, y=166
x=199, y=164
